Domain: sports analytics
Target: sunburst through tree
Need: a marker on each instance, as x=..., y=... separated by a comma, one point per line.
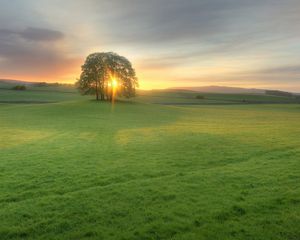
x=107, y=75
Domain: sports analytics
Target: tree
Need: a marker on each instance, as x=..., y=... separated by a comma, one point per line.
x=19, y=87
x=107, y=75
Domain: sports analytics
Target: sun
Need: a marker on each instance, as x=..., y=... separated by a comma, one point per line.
x=114, y=83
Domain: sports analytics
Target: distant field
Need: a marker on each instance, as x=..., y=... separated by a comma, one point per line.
x=175, y=97
x=33, y=94
x=46, y=94
x=78, y=169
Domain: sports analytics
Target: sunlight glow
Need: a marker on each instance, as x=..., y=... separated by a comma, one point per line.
x=114, y=83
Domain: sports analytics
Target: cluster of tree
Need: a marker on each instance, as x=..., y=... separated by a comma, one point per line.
x=105, y=74
x=19, y=87
x=56, y=84
x=279, y=93
x=200, y=97
x=40, y=84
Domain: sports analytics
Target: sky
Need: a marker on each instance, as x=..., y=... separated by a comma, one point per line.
x=171, y=43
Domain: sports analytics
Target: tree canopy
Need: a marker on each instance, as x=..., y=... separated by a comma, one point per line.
x=107, y=75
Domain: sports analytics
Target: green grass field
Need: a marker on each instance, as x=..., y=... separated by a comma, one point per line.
x=33, y=94
x=80, y=169
x=175, y=97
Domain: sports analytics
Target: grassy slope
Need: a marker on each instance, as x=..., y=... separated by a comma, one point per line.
x=52, y=93
x=44, y=94
x=32, y=96
x=78, y=170
x=189, y=97
x=35, y=94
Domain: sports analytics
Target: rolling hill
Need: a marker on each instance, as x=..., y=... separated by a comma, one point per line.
x=54, y=92
x=222, y=89
x=80, y=169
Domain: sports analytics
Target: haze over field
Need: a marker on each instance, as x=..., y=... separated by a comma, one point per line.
x=172, y=43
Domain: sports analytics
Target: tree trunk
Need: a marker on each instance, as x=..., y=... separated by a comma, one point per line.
x=97, y=91
x=102, y=96
x=106, y=93
x=102, y=91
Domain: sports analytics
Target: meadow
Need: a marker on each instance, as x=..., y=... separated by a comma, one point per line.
x=149, y=168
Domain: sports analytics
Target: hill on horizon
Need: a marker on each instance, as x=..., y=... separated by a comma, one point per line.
x=221, y=89
x=18, y=81
x=205, y=89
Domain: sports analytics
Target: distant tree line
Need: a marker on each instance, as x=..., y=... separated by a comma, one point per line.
x=200, y=97
x=105, y=74
x=45, y=84
x=19, y=87
x=278, y=93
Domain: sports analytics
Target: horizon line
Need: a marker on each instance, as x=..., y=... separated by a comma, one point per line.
x=165, y=88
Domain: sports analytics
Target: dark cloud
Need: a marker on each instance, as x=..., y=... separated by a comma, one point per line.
x=182, y=22
x=32, y=52
x=41, y=34
x=35, y=61
x=33, y=34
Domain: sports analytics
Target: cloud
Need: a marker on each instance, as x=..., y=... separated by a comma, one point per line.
x=33, y=34
x=192, y=39
x=182, y=22
x=35, y=52
x=290, y=69
x=41, y=34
